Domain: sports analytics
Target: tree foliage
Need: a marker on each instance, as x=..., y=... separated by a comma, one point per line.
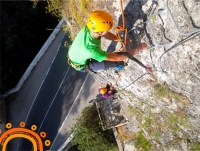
x=89, y=134
x=75, y=12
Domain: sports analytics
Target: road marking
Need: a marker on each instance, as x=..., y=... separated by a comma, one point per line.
x=53, y=99
x=63, y=35
x=69, y=111
x=56, y=53
x=31, y=108
x=66, y=142
x=37, y=93
x=47, y=71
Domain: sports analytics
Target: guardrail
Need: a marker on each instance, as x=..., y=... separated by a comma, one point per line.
x=36, y=59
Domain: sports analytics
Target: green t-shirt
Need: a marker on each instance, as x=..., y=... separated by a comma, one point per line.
x=84, y=47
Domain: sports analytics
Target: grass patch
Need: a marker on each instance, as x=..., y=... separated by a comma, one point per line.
x=178, y=119
x=148, y=120
x=195, y=146
x=142, y=143
x=136, y=112
x=162, y=91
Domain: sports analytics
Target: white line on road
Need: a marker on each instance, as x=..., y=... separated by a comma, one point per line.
x=38, y=92
x=41, y=86
x=54, y=98
x=56, y=53
x=69, y=111
x=66, y=142
x=31, y=108
x=47, y=71
x=63, y=35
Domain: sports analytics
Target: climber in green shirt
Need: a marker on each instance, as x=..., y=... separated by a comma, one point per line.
x=85, y=52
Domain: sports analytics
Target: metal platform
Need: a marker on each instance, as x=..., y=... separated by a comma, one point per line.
x=110, y=113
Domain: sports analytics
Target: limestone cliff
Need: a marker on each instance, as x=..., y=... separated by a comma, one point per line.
x=165, y=105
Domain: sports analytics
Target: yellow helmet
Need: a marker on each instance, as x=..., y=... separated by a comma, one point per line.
x=103, y=90
x=99, y=21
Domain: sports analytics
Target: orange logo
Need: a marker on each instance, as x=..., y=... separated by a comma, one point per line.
x=23, y=133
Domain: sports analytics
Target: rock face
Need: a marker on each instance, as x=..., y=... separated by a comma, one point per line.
x=165, y=105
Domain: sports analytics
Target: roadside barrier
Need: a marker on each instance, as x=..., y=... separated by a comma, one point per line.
x=36, y=59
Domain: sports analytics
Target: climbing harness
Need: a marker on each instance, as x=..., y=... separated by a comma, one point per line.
x=73, y=65
x=79, y=67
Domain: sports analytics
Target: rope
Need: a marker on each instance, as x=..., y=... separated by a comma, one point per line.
x=121, y=5
x=134, y=81
x=121, y=31
x=121, y=34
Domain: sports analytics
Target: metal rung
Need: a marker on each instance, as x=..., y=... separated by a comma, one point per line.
x=172, y=18
x=151, y=27
x=152, y=31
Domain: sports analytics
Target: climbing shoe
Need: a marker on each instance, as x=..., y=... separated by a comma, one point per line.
x=119, y=67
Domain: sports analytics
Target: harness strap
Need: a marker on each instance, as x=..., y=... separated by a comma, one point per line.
x=75, y=66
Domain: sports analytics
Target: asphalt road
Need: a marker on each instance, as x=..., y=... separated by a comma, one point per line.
x=62, y=94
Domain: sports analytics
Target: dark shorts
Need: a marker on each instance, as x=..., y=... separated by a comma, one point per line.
x=97, y=66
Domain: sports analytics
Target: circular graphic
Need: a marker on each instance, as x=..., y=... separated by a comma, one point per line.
x=8, y=125
x=43, y=134
x=33, y=127
x=47, y=143
x=24, y=133
x=22, y=124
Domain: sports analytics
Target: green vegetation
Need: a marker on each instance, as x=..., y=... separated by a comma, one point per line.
x=162, y=91
x=54, y=7
x=153, y=18
x=178, y=119
x=147, y=121
x=142, y=143
x=89, y=134
x=136, y=112
x=165, y=122
x=76, y=16
x=195, y=146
